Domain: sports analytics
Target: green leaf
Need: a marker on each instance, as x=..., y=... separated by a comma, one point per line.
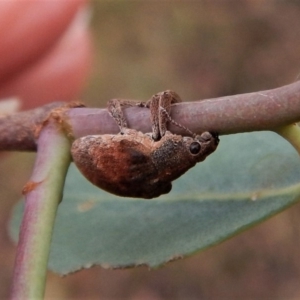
x=251, y=177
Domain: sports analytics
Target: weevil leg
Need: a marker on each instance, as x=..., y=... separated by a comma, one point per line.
x=160, y=108
x=114, y=107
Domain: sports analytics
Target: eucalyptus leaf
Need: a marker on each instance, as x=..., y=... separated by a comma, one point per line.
x=250, y=177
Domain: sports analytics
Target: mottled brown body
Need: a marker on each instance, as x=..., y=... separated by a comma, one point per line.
x=134, y=165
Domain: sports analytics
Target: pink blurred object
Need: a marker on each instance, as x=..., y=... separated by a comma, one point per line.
x=45, y=50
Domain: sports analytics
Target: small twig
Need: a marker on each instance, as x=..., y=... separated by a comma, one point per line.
x=226, y=115
x=265, y=110
x=43, y=193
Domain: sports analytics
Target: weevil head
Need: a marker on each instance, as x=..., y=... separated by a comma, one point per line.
x=202, y=145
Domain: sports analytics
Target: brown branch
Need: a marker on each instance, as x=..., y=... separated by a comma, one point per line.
x=256, y=111
x=17, y=131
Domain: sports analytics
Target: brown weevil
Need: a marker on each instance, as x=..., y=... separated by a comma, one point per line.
x=134, y=164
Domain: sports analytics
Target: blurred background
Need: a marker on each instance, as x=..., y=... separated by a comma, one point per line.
x=200, y=49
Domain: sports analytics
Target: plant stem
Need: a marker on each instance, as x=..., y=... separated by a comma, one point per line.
x=292, y=134
x=19, y=131
x=43, y=195
x=264, y=110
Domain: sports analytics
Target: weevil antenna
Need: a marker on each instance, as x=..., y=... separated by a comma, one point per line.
x=175, y=123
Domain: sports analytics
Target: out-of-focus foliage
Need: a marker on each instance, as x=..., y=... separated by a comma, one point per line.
x=206, y=206
x=200, y=49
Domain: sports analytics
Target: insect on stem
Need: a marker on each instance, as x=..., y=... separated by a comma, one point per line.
x=146, y=163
